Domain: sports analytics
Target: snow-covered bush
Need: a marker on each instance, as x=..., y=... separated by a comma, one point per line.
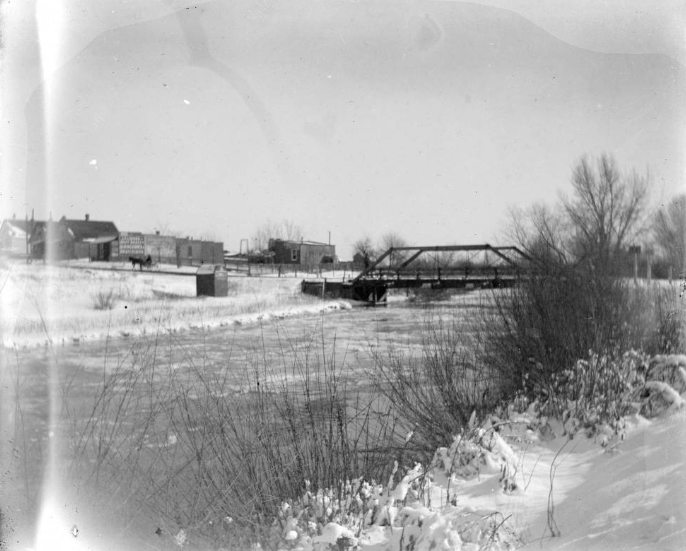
x=401, y=516
x=596, y=394
x=598, y=391
x=480, y=450
x=665, y=384
x=423, y=509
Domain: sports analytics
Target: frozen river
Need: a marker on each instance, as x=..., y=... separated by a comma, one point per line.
x=348, y=336
x=275, y=351
x=58, y=389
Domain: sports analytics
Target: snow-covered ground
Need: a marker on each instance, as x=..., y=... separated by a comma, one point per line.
x=630, y=498
x=78, y=301
x=627, y=497
x=568, y=494
x=525, y=486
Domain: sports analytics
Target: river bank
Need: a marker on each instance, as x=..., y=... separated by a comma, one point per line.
x=67, y=304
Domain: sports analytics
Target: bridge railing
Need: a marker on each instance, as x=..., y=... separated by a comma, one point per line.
x=442, y=273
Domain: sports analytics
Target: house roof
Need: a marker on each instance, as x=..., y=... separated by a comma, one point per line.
x=316, y=243
x=304, y=242
x=20, y=226
x=89, y=230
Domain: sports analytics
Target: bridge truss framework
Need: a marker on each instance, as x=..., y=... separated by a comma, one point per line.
x=372, y=284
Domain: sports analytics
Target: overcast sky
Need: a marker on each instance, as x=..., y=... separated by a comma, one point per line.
x=424, y=118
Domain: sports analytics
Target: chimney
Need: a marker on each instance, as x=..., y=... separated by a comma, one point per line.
x=87, y=217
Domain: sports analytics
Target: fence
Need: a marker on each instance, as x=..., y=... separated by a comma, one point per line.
x=339, y=269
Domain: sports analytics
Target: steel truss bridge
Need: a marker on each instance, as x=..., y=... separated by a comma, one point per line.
x=436, y=267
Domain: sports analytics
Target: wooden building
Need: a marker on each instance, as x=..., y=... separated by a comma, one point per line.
x=161, y=248
x=195, y=252
x=71, y=239
x=302, y=252
x=15, y=236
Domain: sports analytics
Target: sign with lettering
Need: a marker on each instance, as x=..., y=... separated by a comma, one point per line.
x=131, y=244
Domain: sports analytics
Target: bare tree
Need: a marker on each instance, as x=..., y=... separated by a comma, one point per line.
x=605, y=210
x=392, y=239
x=210, y=236
x=364, y=247
x=260, y=239
x=541, y=231
x=164, y=229
x=291, y=231
x=669, y=230
x=286, y=229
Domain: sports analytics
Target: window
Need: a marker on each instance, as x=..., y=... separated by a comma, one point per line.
x=190, y=250
x=294, y=255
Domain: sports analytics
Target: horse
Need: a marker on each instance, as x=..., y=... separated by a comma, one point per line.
x=147, y=262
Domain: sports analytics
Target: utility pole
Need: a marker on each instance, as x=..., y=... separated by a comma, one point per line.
x=636, y=250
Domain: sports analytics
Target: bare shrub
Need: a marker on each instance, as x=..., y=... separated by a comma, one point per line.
x=105, y=299
x=550, y=321
x=666, y=321
x=233, y=288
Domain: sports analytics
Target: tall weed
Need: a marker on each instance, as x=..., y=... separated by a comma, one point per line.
x=215, y=449
x=436, y=391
